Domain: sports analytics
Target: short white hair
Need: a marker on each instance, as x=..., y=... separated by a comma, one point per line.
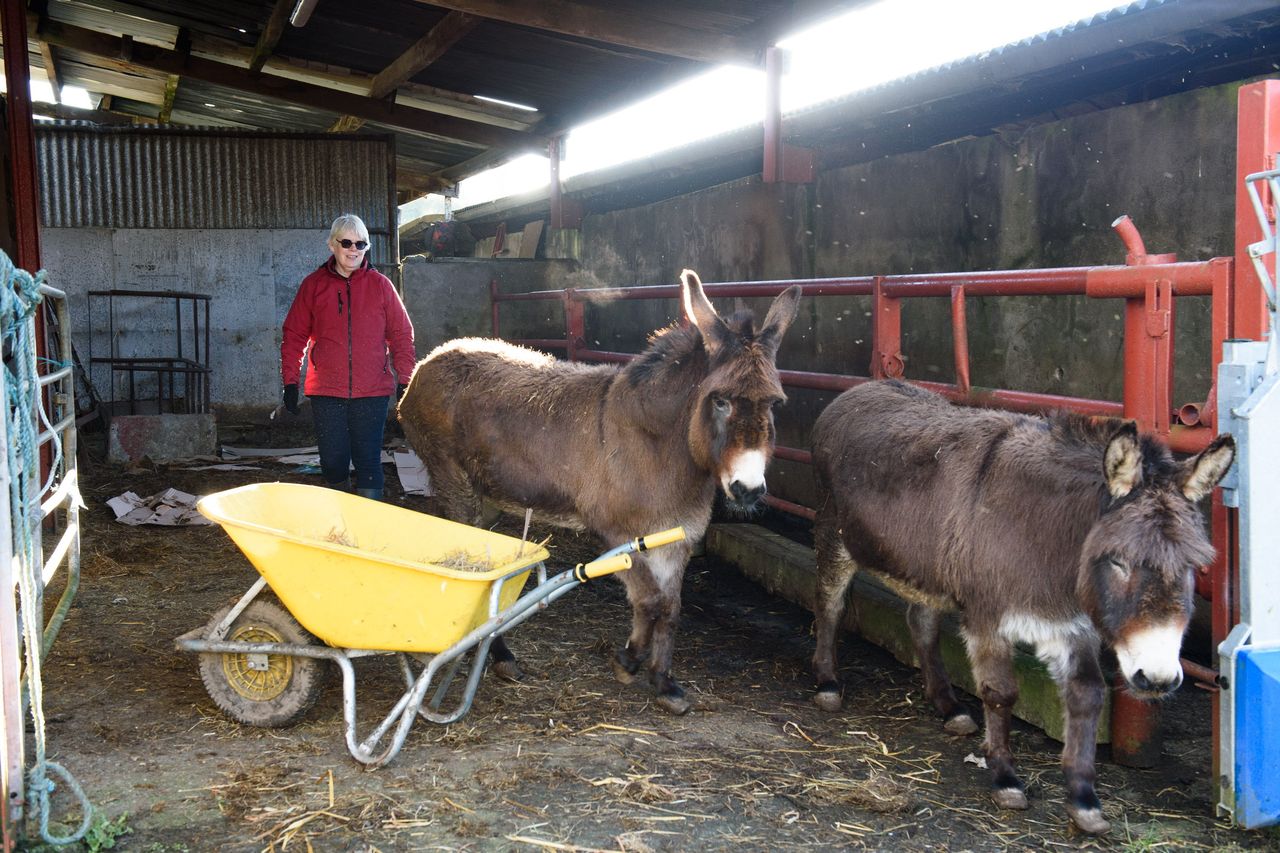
x=348, y=222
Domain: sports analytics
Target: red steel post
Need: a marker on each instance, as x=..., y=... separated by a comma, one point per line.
x=772, y=171
x=1257, y=142
x=886, y=333
x=575, y=323
x=493, y=308
x=24, y=194
x=960, y=338
x=1148, y=395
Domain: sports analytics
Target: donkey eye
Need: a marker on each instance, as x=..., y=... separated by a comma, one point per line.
x=1119, y=568
x=721, y=404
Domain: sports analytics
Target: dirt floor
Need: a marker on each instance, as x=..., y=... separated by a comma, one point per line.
x=567, y=760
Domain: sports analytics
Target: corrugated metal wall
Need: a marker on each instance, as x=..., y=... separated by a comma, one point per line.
x=93, y=177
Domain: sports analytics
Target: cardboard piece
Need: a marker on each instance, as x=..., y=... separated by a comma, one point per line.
x=170, y=508
x=413, y=474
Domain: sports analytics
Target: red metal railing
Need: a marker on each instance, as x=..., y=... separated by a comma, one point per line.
x=1148, y=284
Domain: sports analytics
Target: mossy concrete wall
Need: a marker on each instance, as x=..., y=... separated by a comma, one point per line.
x=787, y=569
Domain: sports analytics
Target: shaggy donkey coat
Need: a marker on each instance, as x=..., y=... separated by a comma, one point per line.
x=1065, y=533
x=618, y=451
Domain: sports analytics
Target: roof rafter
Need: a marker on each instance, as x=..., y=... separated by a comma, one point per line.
x=271, y=34
x=51, y=70
x=170, y=93
x=170, y=62
x=424, y=51
x=615, y=27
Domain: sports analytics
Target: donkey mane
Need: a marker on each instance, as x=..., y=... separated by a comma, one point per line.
x=1088, y=434
x=674, y=347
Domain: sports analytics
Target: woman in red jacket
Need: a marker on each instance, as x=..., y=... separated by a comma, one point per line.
x=349, y=320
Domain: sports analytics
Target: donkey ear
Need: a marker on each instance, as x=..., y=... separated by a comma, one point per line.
x=701, y=314
x=778, y=320
x=1122, y=462
x=1202, y=472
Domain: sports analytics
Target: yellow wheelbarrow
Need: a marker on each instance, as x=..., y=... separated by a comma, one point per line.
x=360, y=578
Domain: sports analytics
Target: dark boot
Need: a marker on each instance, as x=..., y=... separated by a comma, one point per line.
x=371, y=494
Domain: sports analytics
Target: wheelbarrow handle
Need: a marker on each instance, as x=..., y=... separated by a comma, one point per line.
x=657, y=540
x=601, y=567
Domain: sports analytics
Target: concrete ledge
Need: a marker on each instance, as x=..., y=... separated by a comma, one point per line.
x=786, y=569
x=161, y=438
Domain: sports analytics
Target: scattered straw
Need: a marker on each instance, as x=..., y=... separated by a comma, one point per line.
x=879, y=792
x=462, y=561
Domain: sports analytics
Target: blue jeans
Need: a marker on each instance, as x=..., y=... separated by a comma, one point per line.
x=349, y=431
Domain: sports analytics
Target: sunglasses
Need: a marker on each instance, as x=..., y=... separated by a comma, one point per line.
x=359, y=244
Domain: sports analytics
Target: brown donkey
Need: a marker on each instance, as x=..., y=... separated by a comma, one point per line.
x=1065, y=533
x=618, y=451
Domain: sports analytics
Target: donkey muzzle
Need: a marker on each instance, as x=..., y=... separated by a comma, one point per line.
x=745, y=497
x=1144, y=686
x=1149, y=660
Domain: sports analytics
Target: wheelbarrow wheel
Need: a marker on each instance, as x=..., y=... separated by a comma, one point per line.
x=263, y=690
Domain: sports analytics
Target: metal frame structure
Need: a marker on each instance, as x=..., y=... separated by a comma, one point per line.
x=194, y=370
x=57, y=510
x=1150, y=285
x=1249, y=658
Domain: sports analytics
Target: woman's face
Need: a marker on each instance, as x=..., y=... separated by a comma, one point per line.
x=348, y=260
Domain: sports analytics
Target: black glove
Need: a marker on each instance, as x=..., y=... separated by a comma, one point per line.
x=400, y=389
x=291, y=398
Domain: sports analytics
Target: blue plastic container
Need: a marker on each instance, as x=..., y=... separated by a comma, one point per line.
x=1258, y=737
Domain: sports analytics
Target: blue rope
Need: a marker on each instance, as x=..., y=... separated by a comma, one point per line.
x=19, y=300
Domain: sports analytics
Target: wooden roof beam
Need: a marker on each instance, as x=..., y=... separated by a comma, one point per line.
x=171, y=62
x=424, y=51
x=409, y=95
x=270, y=35
x=51, y=70
x=170, y=93
x=614, y=27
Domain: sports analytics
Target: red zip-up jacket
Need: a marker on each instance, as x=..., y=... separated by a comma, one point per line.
x=348, y=326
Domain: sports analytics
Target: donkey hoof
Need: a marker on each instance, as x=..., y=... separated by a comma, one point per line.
x=827, y=696
x=1089, y=821
x=507, y=670
x=961, y=724
x=620, y=672
x=1010, y=798
x=673, y=703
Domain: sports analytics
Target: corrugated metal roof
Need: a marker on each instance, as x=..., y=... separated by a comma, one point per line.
x=1138, y=51
x=161, y=177
x=988, y=54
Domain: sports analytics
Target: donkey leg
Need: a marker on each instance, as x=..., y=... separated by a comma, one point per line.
x=835, y=572
x=992, y=661
x=926, y=623
x=1083, y=691
x=668, y=694
x=629, y=657
x=666, y=568
x=460, y=502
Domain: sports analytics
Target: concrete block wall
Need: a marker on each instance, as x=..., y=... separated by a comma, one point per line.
x=251, y=275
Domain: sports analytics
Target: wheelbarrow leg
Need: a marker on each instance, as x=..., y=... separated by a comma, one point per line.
x=408, y=708
x=445, y=680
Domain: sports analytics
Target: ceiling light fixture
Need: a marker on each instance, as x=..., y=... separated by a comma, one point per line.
x=302, y=12
x=525, y=107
